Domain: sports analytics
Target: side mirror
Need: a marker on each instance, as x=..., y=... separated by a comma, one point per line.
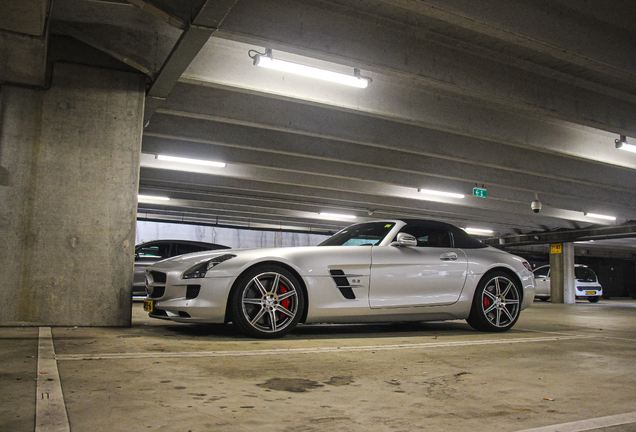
x=404, y=239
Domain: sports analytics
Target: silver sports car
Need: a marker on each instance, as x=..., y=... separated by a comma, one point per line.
x=394, y=270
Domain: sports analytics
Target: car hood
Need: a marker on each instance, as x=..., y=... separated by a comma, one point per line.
x=191, y=259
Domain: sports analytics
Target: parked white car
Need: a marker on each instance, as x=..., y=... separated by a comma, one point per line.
x=587, y=286
x=394, y=270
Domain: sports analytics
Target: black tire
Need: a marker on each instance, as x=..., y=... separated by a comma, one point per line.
x=267, y=302
x=593, y=299
x=496, y=303
x=544, y=299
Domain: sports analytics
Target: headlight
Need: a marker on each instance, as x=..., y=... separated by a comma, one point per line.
x=200, y=270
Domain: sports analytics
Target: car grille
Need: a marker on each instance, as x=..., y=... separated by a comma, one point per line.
x=158, y=277
x=157, y=292
x=193, y=291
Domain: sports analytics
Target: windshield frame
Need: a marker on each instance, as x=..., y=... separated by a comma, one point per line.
x=388, y=236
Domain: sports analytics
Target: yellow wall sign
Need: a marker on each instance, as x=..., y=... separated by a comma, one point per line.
x=556, y=248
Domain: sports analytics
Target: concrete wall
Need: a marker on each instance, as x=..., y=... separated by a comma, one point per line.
x=235, y=238
x=69, y=167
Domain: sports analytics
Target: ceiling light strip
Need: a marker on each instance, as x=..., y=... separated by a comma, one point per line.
x=621, y=144
x=600, y=216
x=440, y=193
x=337, y=216
x=268, y=61
x=478, y=231
x=191, y=161
x=152, y=197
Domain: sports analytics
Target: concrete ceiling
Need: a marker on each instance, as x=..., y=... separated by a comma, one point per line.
x=523, y=97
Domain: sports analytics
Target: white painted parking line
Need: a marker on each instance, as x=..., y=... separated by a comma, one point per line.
x=50, y=410
x=572, y=334
x=588, y=425
x=546, y=332
x=323, y=350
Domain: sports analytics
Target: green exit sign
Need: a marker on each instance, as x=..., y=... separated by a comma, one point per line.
x=479, y=192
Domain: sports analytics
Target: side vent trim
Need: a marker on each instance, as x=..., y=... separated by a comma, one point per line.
x=343, y=285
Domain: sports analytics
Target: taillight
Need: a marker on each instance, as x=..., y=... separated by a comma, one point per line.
x=526, y=264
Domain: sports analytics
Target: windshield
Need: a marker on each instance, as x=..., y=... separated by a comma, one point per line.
x=584, y=274
x=365, y=234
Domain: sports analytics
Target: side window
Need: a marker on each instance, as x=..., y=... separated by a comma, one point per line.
x=542, y=271
x=154, y=250
x=187, y=248
x=428, y=236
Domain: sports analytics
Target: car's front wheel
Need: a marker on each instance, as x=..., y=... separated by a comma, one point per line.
x=267, y=302
x=496, y=303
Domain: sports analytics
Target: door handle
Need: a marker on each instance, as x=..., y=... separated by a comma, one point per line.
x=448, y=256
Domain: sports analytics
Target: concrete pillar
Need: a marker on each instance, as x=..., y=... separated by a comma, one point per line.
x=562, y=273
x=69, y=170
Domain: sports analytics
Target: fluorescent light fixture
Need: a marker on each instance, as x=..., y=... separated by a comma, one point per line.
x=622, y=144
x=585, y=241
x=191, y=161
x=600, y=216
x=337, y=216
x=152, y=197
x=268, y=61
x=478, y=231
x=440, y=193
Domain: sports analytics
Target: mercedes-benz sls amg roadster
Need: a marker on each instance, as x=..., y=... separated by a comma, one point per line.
x=393, y=270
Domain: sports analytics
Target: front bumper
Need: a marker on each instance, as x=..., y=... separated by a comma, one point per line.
x=201, y=300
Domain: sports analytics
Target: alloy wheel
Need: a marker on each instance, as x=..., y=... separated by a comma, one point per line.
x=500, y=301
x=269, y=302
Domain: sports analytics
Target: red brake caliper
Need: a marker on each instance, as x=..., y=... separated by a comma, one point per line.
x=486, y=302
x=284, y=303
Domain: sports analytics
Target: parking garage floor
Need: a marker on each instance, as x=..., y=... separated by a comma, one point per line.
x=561, y=368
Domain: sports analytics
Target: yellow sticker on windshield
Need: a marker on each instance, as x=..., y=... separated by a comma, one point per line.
x=387, y=225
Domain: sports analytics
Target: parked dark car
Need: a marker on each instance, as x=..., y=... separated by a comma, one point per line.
x=152, y=251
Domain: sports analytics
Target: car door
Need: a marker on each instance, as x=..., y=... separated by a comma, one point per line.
x=431, y=273
x=542, y=281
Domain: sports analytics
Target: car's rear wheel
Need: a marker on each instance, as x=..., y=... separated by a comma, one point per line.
x=593, y=299
x=496, y=303
x=267, y=302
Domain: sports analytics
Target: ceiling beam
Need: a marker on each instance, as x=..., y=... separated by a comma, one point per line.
x=196, y=34
x=593, y=233
x=160, y=14
x=226, y=65
x=382, y=46
x=358, y=196
x=303, y=121
x=559, y=30
x=290, y=152
x=66, y=28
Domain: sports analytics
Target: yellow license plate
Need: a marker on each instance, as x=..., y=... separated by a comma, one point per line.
x=149, y=305
x=590, y=292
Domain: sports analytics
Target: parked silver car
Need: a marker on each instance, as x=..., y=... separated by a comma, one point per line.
x=587, y=286
x=150, y=252
x=393, y=270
